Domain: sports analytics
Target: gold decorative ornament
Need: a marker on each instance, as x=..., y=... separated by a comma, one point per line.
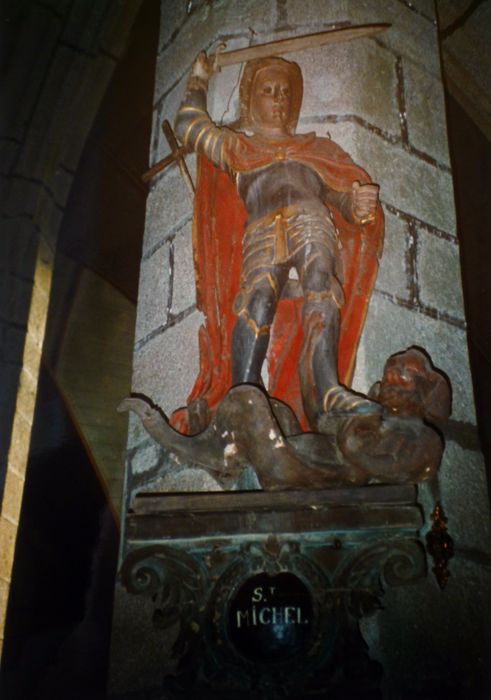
x=439, y=545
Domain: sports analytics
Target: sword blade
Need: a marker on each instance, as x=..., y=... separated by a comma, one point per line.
x=298, y=43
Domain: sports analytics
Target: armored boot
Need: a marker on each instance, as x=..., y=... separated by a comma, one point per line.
x=321, y=391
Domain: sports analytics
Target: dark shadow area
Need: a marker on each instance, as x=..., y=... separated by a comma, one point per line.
x=58, y=628
x=470, y=152
x=58, y=623
x=102, y=228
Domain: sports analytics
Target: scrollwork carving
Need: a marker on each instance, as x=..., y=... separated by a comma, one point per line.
x=173, y=579
x=394, y=562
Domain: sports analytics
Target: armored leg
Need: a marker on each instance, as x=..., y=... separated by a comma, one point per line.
x=318, y=361
x=256, y=307
x=323, y=297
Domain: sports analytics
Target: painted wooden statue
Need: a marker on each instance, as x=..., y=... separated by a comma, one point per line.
x=287, y=233
x=272, y=205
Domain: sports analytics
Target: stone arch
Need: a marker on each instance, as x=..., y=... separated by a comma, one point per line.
x=60, y=58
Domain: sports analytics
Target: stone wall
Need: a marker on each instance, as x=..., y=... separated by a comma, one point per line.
x=382, y=100
x=60, y=57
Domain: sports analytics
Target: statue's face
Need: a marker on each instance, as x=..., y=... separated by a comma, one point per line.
x=404, y=385
x=411, y=387
x=270, y=102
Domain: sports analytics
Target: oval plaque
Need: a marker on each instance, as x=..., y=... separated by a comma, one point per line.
x=271, y=617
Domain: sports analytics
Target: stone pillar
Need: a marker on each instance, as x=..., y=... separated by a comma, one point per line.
x=381, y=99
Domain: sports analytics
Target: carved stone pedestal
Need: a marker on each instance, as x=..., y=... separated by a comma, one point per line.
x=265, y=592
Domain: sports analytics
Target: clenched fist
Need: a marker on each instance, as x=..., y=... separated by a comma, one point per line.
x=364, y=201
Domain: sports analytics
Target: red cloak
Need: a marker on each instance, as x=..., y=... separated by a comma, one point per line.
x=219, y=218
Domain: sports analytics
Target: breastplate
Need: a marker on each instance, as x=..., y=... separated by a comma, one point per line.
x=277, y=186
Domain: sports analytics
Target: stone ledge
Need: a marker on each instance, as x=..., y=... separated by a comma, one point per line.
x=162, y=502
x=264, y=512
